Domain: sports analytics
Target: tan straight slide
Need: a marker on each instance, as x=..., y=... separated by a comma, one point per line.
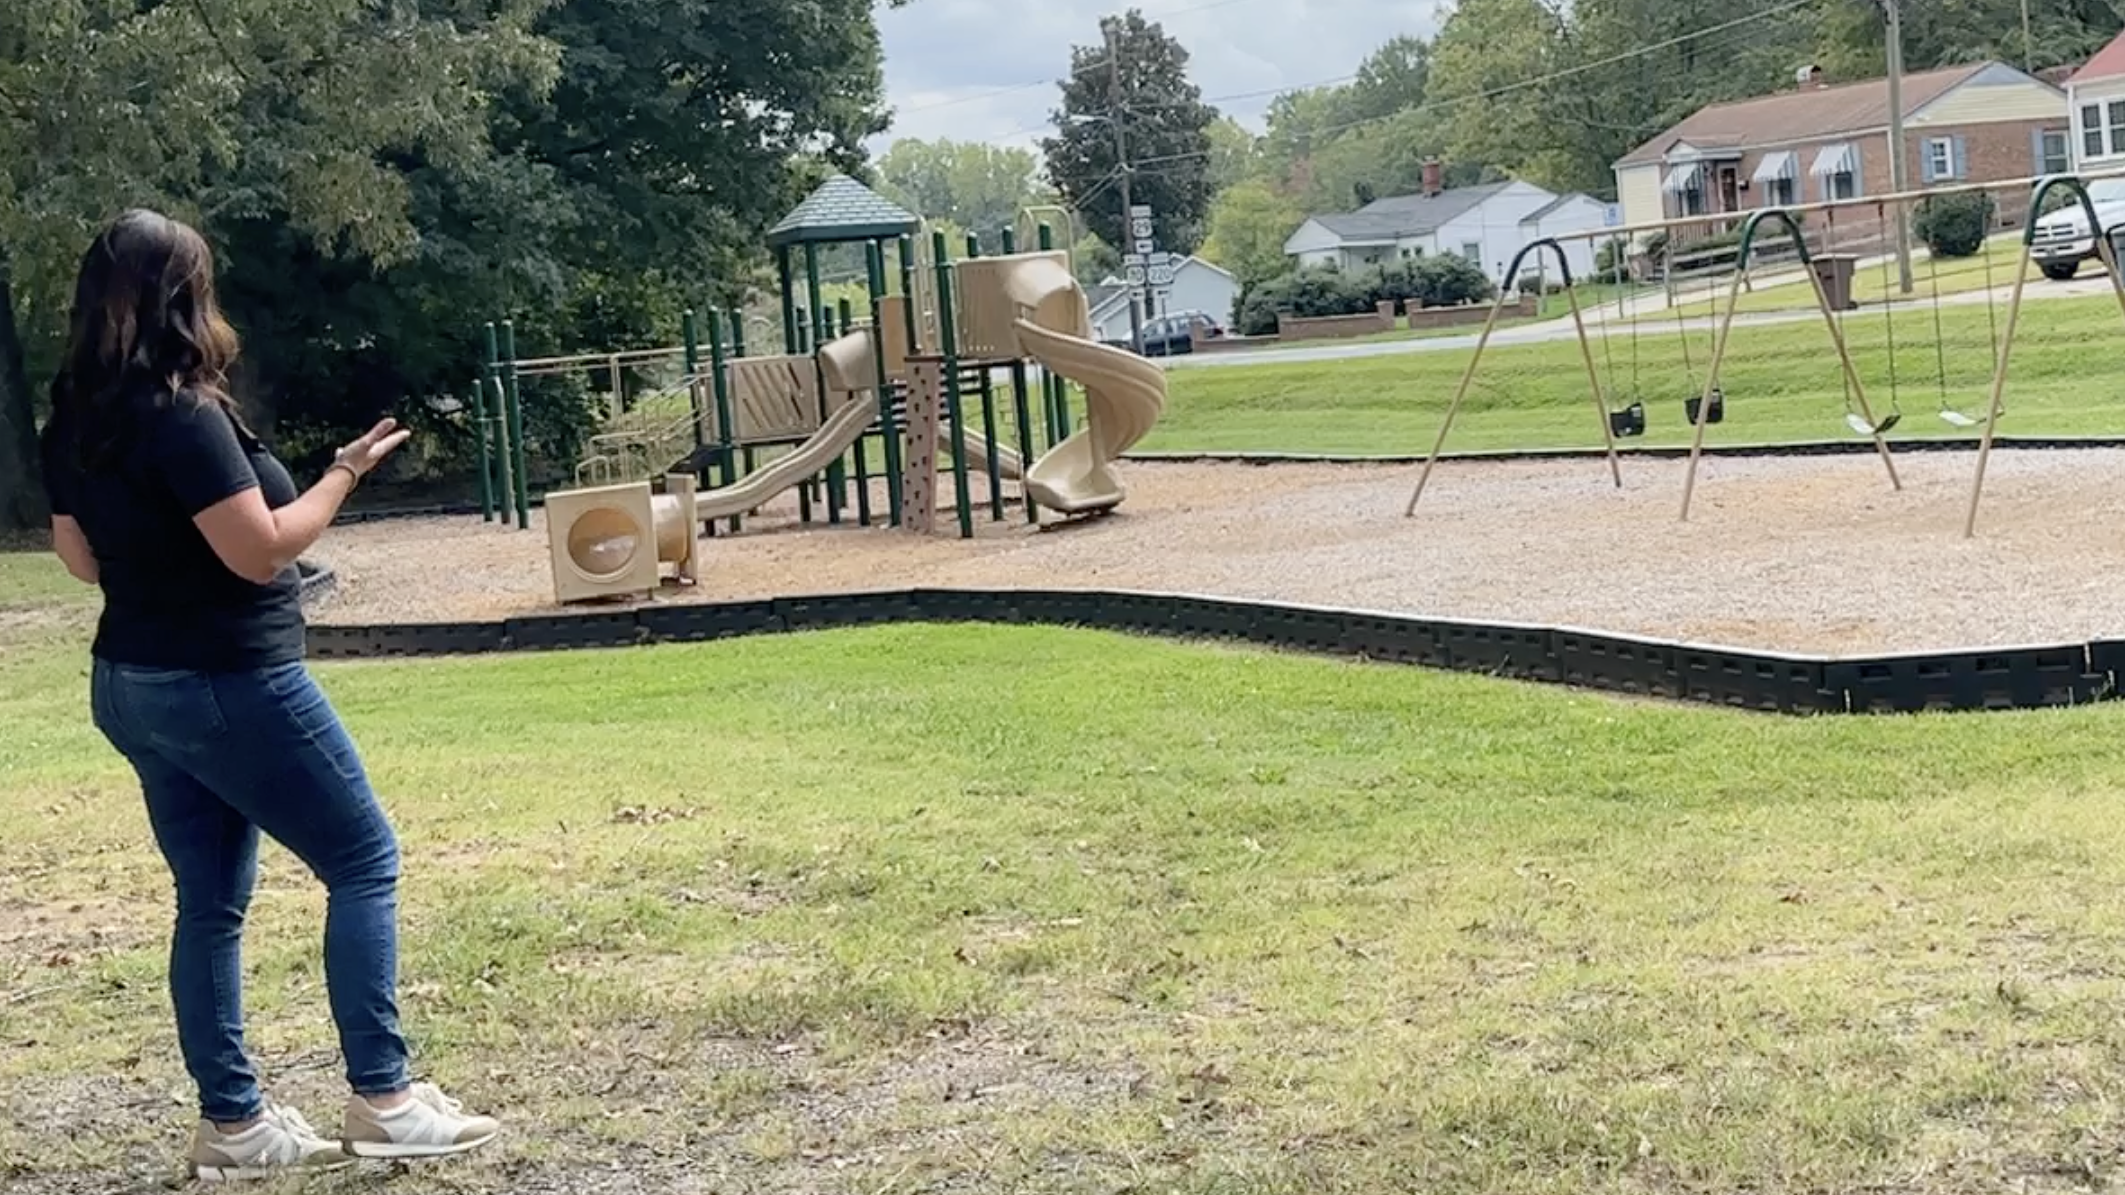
x=847, y=364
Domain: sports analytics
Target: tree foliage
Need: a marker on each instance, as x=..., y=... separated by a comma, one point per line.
x=1163, y=118
x=1249, y=224
x=378, y=177
x=977, y=186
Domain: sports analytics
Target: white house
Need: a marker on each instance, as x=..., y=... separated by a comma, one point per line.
x=2095, y=98
x=1197, y=286
x=1487, y=225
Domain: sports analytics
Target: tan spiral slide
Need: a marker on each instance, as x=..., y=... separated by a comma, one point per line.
x=1124, y=393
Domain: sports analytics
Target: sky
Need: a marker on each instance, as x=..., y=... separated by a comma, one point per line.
x=983, y=70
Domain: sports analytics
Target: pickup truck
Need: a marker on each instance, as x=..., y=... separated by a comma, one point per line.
x=2063, y=238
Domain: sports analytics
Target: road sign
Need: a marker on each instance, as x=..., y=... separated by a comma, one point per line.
x=1146, y=246
x=1134, y=259
x=1134, y=275
x=1140, y=227
x=1160, y=275
x=1139, y=211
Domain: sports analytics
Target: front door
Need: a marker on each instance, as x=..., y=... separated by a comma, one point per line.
x=1729, y=188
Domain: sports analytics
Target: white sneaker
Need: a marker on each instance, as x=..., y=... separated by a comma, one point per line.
x=429, y=1125
x=282, y=1142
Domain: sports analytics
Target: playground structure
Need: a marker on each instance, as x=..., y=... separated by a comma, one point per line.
x=918, y=380
x=1623, y=414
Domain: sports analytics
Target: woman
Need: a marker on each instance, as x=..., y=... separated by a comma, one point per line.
x=191, y=528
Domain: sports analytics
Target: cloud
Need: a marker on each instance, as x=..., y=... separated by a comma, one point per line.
x=984, y=70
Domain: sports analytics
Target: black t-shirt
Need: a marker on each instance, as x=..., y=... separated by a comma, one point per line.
x=168, y=600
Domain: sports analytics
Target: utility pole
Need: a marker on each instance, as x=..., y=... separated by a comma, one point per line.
x=2028, y=42
x=1121, y=167
x=1899, y=170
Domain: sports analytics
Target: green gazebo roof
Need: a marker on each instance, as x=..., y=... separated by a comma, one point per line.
x=841, y=211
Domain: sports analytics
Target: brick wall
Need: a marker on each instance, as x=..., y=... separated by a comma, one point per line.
x=1336, y=327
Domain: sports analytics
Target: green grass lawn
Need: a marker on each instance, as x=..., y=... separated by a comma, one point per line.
x=1782, y=382
x=1035, y=910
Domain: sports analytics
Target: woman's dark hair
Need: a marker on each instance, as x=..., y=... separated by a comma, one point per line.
x=145, y=323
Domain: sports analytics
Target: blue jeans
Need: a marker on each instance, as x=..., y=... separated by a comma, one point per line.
x=221, y=757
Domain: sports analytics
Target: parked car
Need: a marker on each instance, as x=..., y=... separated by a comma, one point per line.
x=2063, y=238
x=1173, y=334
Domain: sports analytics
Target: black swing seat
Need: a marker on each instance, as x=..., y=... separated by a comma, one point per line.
x=1630, y=421
x=1716, y=414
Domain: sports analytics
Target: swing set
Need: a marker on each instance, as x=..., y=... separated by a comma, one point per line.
x=1624, y=407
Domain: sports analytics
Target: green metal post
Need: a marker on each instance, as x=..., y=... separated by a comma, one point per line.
x=846, y=325
x=789, y=300
x=888, y=428
x=513, y=398
x=1010, y=242
x=1055, y=403
x=726, y=425
x=690, y=333
x=492, y=454
x=907, y=291
x=479, y=429
x=836, y=473
x=744, y=456
x=955, y=417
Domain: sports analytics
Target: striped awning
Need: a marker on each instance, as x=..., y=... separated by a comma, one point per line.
x=1784, y=164
x=1684, y=178
x=1835, y=159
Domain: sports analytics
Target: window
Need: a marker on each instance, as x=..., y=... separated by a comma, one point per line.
x=1473, y=251
x=2101, y=137
x=1842, y=185
x=1940, y=158
x=2053, y=156
x=1778, y=192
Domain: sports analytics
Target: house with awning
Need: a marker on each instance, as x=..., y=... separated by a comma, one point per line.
x=1980, y=122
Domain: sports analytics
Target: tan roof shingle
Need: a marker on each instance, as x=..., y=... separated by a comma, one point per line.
x=1798, y=116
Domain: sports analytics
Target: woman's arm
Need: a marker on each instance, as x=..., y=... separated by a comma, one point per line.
x=73, y=549
x=257, y=543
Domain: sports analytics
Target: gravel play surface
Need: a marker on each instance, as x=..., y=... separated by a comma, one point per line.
x=1812, y=554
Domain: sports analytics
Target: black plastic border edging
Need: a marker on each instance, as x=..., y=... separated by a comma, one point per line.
x=1982, y=679
x=1639, y=451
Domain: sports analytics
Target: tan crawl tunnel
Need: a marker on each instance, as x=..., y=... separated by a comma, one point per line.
x=616, y=541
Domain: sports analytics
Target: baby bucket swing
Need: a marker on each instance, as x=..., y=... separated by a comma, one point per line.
x=1626, y=418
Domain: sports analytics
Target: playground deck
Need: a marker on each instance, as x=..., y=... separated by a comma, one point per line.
x=1803, y=554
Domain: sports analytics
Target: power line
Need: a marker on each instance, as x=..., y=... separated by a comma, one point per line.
x=1506, y=89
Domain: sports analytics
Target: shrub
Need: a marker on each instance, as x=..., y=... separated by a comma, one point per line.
x=1954, y=225
x=1309, y=293
x=1323, y=291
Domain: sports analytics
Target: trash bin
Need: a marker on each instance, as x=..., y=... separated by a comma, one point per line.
x=1834, y=271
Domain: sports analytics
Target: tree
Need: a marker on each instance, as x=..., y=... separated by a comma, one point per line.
x=976, y=185
x=1393, y=78
x=1235, y=154
x=1164, y=120
x=1249, y=224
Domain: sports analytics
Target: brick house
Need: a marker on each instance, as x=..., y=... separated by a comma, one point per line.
x=1980, y=122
